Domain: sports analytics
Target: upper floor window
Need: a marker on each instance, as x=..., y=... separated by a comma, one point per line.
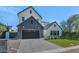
x=23, y=26
x=31, y=21
x=54, y=25
x=30, y=11
x=23, y=18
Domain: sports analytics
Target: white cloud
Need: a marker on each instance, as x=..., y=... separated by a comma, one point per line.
x=7, y=10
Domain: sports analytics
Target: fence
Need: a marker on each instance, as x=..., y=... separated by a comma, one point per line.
x=3, y=46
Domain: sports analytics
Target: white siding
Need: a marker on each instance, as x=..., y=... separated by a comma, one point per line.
x=27, y=14
x=57, y=28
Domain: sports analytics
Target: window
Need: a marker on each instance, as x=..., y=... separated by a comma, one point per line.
x=23, y=18
x=54, y=32
x=31, y=21
x=50, y=32
x=23, y=26
x=54, y=25
x=30, y=11
x=57, y=32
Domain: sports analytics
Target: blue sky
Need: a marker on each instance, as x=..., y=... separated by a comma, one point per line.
x=8, y=14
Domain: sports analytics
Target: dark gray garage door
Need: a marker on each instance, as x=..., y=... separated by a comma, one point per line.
x=28, y=34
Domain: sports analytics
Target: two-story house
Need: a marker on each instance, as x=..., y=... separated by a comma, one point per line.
x=31, y=25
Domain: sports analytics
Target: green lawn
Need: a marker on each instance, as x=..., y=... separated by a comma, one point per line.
x=64, y=42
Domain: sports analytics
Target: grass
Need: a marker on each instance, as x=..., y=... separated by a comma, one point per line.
x=64, y=42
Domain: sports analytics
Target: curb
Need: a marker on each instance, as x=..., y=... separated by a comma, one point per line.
x=60, y=50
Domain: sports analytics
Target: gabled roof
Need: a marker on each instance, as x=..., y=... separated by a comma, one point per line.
x=50, y=24
x=33, y=9
x=28, y=19
x=44, y=23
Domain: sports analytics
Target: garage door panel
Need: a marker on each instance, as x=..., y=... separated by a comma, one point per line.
x=30, y=34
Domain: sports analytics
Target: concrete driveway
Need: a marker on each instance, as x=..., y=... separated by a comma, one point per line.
x=35, y=45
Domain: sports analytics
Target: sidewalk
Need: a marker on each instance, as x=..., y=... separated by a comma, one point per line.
x=62, y=50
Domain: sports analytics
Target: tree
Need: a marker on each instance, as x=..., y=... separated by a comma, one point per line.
x=77, y=25
x=64, y=26
x=73, y=21
x=70, y=21
x=71, y=27
x=3, y=28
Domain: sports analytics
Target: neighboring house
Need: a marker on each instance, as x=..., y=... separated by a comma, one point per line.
x=31, y=25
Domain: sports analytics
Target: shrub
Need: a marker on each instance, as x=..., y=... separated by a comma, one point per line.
x=53, y=37
x=70, y=35
x=66, y=35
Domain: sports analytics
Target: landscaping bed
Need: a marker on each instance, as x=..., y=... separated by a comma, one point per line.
x=64, y=42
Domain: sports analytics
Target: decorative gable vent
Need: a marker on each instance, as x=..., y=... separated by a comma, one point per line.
x=30, y=11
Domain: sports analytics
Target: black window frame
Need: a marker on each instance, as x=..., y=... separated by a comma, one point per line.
x=31, y=21
x=23, y=19
x=51, y=33
x=54, y=25
x=54, y=32
x=30, y=11
x=57, y=32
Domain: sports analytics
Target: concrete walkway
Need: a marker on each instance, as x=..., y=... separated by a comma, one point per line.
x=74, y=49
x=35, y=45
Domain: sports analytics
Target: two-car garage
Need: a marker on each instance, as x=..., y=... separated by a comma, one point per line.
x=28, y=34
x=30, y=29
